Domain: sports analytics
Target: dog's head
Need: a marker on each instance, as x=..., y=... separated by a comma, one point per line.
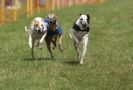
x=83, y=21
x=38, y=24
x=52, y=21
x=52, y=18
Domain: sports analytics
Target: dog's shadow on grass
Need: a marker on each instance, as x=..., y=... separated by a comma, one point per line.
x=72, y=62
x=36, y=59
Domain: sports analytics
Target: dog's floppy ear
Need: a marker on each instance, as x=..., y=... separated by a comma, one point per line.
x=49, y=16
x=33, y=22
x=55, y=15
x=88, y=17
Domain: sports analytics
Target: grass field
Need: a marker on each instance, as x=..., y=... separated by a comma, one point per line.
x=108, y=64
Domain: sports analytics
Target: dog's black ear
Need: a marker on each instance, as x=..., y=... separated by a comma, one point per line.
x=80, y=14
x=55, y=16
x=88, y=17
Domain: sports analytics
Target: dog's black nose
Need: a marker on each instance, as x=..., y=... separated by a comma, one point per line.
x=84, y=25
x=39, y=31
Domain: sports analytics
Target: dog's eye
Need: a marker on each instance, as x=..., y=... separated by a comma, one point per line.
x=41, y=25
x=36, y=25
x=81, y=18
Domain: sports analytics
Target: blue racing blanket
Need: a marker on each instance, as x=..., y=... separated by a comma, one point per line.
x=49, y=32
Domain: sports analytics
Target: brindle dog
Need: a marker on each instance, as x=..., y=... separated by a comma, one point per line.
x=54, y=34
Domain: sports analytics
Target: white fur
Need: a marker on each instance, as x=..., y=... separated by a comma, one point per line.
x=79, y=22
x=33, y=32
x=80, y=39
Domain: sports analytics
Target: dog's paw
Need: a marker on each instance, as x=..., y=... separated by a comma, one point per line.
x=81, y=62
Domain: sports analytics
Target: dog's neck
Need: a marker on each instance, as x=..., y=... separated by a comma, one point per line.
x=52, y=27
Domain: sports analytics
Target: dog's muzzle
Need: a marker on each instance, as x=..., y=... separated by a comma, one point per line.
x=38, y=29
x=84, y=25
x=52, y=21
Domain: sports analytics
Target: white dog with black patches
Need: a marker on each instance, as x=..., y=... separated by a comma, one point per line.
x=79, y=34
x=36, y=31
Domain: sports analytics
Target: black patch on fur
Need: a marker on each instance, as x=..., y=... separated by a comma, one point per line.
x=88, y=18
x=77, y=28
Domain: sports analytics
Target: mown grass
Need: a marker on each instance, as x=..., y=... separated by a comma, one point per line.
x=108, y=64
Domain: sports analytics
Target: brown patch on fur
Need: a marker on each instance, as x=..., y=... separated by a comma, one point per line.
x=55, y=40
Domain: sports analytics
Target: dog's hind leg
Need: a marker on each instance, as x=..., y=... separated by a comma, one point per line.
x=49, y=48
x=54, y=43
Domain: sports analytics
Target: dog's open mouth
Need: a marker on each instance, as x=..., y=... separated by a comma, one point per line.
x=38, y=29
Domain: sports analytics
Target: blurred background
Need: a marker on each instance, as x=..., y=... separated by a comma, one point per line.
x=11, y=10
x=108, y=64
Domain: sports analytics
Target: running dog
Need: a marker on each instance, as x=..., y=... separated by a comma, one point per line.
x=54, y=33
x=36, y=31
x=79, y=34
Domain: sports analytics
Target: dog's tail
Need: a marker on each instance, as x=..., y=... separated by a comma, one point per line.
x=70, y=35
x=25, y=28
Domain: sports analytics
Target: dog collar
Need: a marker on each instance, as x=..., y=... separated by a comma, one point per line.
x=77, y=28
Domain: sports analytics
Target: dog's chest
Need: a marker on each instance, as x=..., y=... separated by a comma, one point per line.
x=52, y=38
x=80, y=35
x=37, y=34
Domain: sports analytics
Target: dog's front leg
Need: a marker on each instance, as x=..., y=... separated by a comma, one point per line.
x=41, y=41
x=31, y=45
x=72, y=35
x=42, y=38
x=76, y=46
x=85, y=42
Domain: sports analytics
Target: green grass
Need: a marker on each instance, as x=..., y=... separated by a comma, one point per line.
x=108, y=64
